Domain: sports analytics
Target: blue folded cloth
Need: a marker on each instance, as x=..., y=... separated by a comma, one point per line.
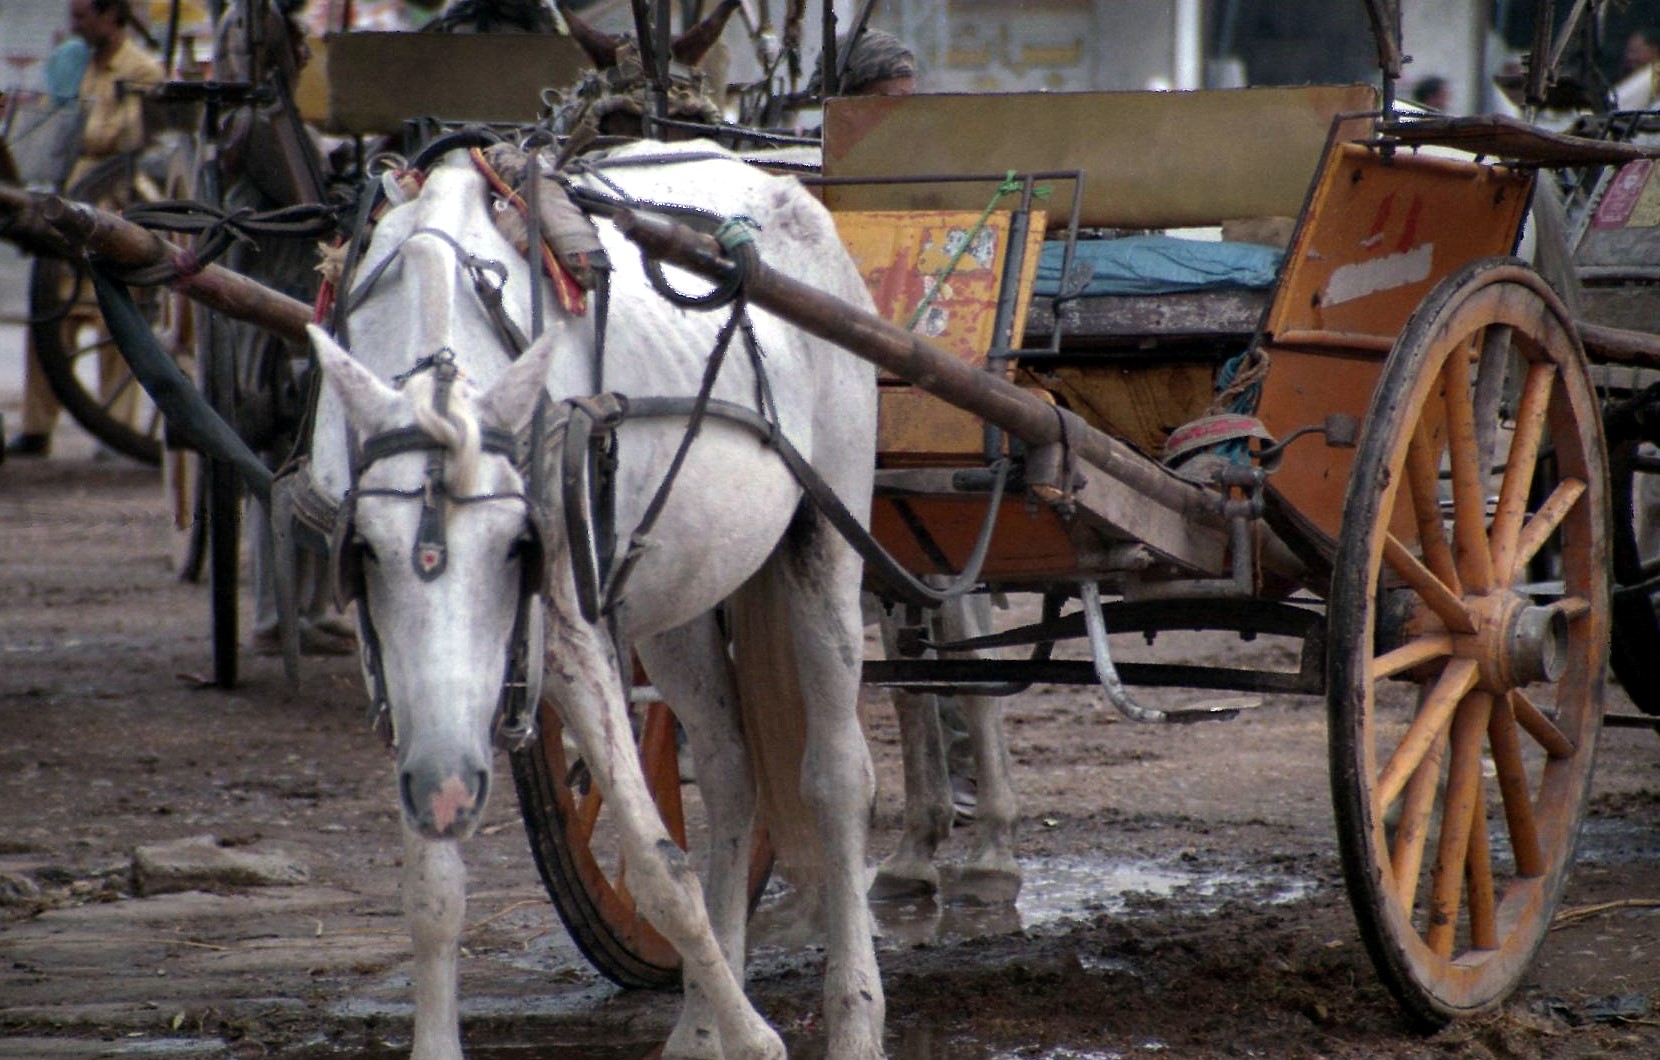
x=1160, y=265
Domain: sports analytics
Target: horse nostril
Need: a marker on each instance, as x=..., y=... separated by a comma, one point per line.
x=406, y=791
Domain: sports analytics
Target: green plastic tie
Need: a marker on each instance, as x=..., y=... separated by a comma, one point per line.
x=1011, y=185
x=735, y=232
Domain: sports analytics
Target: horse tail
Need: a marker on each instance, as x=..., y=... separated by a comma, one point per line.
x=1552, y=256
x=774, y=715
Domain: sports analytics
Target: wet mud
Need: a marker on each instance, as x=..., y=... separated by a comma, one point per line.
x=1182, y=897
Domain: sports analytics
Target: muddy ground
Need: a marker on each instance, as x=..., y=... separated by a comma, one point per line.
x=1183, y=892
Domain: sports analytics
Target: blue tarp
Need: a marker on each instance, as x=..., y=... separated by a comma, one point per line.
x=1160, y=265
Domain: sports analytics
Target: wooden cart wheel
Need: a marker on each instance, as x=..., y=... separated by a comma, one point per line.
x=1465, y=701
x=585, y=873
x=76, y=354
x=1633, y=475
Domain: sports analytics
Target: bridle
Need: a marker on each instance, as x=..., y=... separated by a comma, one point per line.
x=515, y=718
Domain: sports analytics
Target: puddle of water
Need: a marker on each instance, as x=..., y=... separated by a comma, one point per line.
x=1055, y=890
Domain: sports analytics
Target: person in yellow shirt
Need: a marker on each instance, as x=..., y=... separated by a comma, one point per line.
x=114, y=125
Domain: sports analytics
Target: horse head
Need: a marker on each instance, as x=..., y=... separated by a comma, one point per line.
x=438, y=543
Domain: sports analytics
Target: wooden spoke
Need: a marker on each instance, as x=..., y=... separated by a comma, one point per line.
x=1574, y=607
x=577, y=850
x=1438, y=705
x=1518, y=472
x=587, y=812
x=1545, y=521
x=1423, y=473
x=1544, y=731
x=659, y=752
x=1462, y=800
x=1432, y=590
x=1407, y=853
x=1475, y=561
x=1413, y=653
x=1520, y=821
x=1478, y=878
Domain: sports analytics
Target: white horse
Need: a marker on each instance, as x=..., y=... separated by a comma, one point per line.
x=442, y=590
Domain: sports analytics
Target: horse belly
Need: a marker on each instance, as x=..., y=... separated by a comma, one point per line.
x=727, y=511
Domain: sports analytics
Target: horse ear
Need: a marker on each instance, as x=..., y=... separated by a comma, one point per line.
x=694, y=43
x=601, y=47
x=512, y=399
x=369, y=402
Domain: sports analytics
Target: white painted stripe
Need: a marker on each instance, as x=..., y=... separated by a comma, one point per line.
x=1369, y=277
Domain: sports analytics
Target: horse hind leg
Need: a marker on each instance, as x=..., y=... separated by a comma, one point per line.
x=990, y=875
x=689, y=667
x=910, y=871
x=804, y=605
x=582, y=677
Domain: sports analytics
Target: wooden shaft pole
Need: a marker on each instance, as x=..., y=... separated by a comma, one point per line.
x=990, y=397
x=57, y=225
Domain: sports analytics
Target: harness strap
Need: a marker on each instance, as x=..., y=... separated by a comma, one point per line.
x=640, y=541
x=897, y=582
x=413, y=439
x=479, y=270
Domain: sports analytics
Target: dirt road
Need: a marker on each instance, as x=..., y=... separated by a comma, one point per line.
x=1183, y=894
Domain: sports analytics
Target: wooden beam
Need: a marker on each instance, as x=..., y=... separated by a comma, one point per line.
x=59, y=226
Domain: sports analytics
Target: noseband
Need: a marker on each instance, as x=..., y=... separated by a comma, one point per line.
x=515, y=720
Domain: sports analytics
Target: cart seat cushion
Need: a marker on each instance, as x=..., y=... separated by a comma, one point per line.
x=1137, y=265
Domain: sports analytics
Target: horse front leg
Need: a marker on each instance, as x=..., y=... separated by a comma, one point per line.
x=583, y=679
x=690, y=669
x=435, y=903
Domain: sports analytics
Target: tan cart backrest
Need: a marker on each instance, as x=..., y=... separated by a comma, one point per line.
x=377, y=80
x=1150, y=159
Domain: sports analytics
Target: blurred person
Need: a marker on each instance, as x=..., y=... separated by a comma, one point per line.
x=1639, y=84
x=114, y=125
x=1433, y=93
x=881, y=65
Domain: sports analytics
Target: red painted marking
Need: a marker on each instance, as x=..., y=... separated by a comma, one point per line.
x=1622, y=195
x=1381, y=218
x=1409, y=232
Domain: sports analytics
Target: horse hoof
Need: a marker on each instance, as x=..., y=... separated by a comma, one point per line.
x=895, y=885
x=972, y=886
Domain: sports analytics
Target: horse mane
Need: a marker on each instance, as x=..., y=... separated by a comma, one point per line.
x=456, y=429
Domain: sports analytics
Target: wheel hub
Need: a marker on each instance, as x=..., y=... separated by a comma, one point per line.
x=1517, y=642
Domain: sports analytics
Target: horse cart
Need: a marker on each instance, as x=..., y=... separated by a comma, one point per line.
x=1390, y=450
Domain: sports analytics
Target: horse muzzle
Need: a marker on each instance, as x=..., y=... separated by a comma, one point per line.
x=444, y=800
